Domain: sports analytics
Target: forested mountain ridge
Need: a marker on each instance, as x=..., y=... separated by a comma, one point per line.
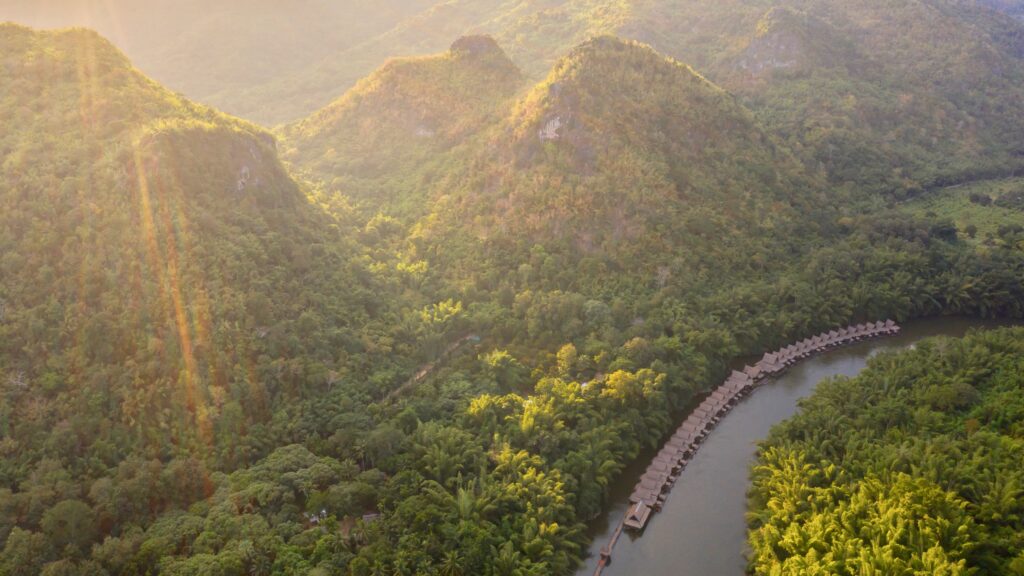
x=620, y=158
x=889, y=106
x=882, y=98
x=402, y=117
x=159, y=266
x=959, y=93
x=864, y=92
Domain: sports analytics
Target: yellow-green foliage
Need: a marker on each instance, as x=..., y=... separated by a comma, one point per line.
x=981, y=211
x=912, y=467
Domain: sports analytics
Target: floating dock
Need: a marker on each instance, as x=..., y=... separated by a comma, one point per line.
x=652, y=490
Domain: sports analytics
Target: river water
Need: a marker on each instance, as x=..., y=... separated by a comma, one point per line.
x=701, y=531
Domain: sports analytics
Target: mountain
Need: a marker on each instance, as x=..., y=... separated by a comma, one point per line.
x=890, y=107
x=402, y=116
x=620, y=155
x=624, y=157
x=623, y=172
x=158, y=268
x=863, y=93
x=866, y=94
x=883, y=99
x=846, y=111
x=242, y=45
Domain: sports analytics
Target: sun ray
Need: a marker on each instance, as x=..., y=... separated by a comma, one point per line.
x=158, y=230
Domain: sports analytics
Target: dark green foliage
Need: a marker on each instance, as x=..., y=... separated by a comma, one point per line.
x=1013, y=200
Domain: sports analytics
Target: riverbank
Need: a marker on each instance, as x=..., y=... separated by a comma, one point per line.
x=702, y=527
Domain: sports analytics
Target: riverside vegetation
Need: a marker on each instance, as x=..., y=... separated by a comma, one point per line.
x=913, y=466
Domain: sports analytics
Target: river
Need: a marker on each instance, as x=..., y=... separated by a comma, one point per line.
x=701, y=531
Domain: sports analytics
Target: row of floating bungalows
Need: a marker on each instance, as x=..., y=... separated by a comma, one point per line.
x=652, y=489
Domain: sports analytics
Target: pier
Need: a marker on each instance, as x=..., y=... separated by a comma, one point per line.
x=652, y=490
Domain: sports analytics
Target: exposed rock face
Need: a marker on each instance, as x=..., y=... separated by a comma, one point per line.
x=551, y=128
x=243, y=178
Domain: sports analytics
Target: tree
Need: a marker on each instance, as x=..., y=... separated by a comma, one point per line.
x=25, y=553
x=70, y=523
x=567, y=357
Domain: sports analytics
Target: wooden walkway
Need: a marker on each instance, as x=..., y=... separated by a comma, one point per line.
x=652, y=490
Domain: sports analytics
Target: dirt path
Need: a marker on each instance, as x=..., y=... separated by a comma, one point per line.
x=428, y=369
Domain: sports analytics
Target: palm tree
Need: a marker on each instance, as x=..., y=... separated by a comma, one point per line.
x=452, y=564
x=506, y=560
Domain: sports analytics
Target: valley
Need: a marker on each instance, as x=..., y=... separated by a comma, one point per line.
x=438, y=273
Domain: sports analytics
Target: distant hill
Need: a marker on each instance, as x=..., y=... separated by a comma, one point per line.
x=621, y=158
x=405, y=115
x=882, y=97
x=867, y=93
x=222, y=52
x=872, y=113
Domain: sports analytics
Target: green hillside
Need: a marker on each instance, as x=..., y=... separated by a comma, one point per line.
x=405, y=115
x=628, y=161
x=988, y=213
x=893, y=108
x=166, y=289
x=883, y=98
